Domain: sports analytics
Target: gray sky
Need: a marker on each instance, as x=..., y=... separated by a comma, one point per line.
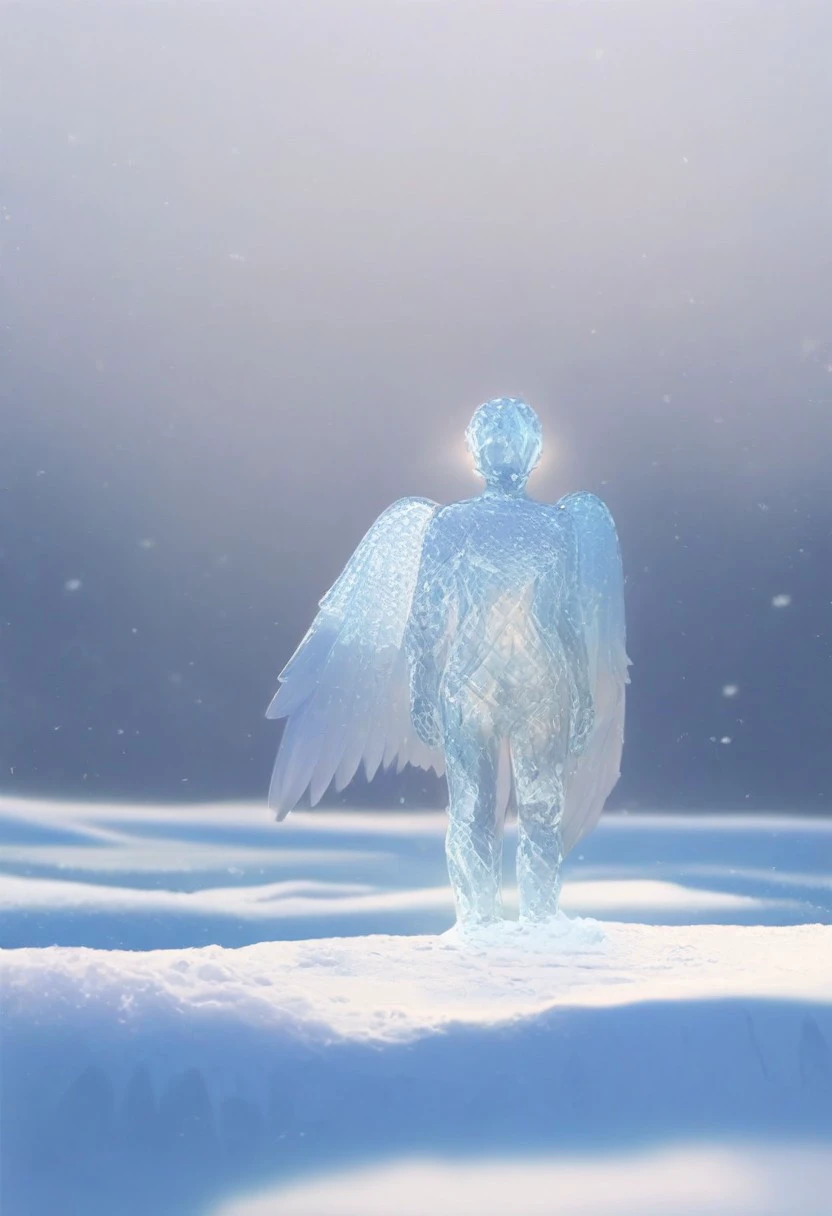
x=259, y=264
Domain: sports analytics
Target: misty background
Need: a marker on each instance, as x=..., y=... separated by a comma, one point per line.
x=261, y=262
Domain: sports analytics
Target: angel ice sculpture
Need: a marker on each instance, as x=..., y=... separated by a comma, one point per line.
x=485, y=640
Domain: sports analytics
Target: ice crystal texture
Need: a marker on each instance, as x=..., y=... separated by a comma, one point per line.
x=484, y=639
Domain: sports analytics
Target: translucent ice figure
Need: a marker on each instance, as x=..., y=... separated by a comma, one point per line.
x=484, y=639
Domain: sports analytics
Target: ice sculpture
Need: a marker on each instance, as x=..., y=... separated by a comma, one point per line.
x=484, y=639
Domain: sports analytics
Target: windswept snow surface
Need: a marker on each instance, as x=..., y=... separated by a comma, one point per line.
x=190, y=1079
x=144, y=877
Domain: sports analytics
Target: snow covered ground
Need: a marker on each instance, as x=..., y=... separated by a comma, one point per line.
x=702, y=1181
x=203, y=1012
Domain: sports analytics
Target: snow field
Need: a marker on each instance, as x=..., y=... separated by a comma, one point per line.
x=601, y=1059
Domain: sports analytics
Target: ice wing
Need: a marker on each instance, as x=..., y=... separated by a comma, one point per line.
x=345, y=691
x=592, y=775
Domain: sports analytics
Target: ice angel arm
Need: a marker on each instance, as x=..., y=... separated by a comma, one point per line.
x=426, y=635
x=599, y=603
x=345, y=691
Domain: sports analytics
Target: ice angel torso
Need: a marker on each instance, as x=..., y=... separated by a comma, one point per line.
x=485, y=638
x=493, y=591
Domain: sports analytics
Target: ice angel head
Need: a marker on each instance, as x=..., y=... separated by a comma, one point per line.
x=485, y=640
x=505, y=439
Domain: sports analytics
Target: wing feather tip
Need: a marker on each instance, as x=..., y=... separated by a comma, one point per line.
x=279, y=803
x=284, y=794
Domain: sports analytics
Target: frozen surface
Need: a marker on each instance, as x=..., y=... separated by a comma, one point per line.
x=182, y=1080
x=484, y=639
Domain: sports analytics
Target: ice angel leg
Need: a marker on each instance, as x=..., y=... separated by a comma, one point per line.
x=538, y=779
x=473, y=844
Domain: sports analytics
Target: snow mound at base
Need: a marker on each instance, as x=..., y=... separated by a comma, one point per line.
x=395, y=989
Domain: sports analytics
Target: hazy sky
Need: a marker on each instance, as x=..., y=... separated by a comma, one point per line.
x=260, y=263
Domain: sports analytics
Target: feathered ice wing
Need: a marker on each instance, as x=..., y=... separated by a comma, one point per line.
x=593, y=774
x=346, y=689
